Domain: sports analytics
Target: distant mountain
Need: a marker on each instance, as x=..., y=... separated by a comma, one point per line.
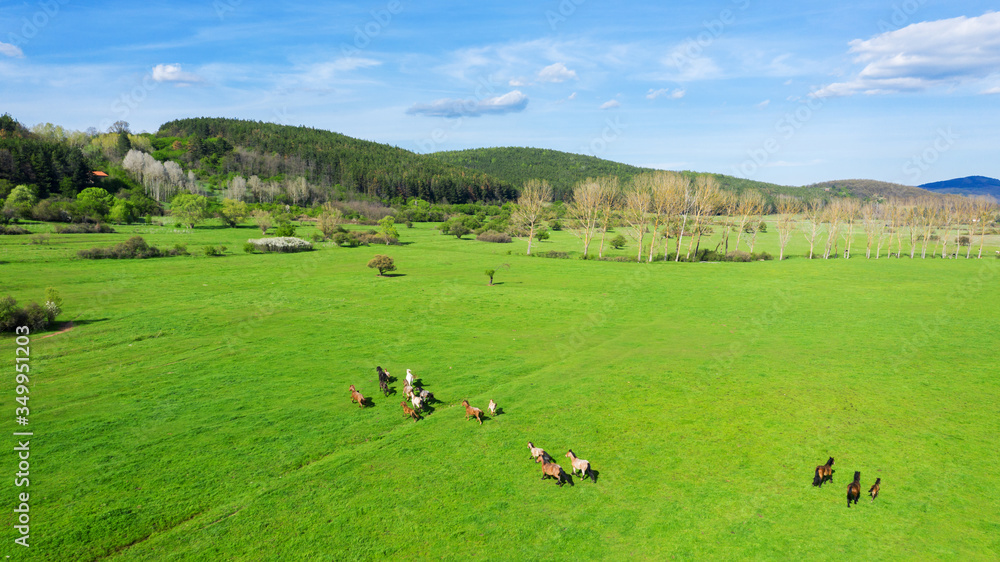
x=564, y=169
x=972, y=185
x=866, y=189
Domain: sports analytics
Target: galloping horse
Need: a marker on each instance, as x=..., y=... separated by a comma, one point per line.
x=823, y=473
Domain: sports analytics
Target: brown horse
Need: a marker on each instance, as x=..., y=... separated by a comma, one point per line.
x=410, y=411
x=357, y=397
x=553, y=470
x=823, y=473
x=473, y=412
x=854, y=489
x=873, y=491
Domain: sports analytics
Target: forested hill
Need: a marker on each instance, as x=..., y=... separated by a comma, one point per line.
x=561, y=169
x=325, y=158
x=865, y=189
x=972, y=185
x=564, y=169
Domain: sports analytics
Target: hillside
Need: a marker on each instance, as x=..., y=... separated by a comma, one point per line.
x=564, y=169
x=870, y=188
x=971, y=186
x=325, y=159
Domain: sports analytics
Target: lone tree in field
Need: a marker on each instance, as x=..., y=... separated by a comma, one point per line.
x=262, y=219
x=382, y=263
x=491, y=273
x=189, y=208
x=531, y=207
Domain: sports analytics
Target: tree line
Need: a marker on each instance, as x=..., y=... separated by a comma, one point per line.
x=657, y=207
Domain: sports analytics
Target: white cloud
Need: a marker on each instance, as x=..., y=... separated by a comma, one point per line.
x=572, y=96
x=923, y=55
x=556, y=73
x=610, y=104
x=995, y=90
x=763, y=104
x=517, y=83
x=674, y=95
x=11, y=50
x=173, y=73
x=511, y=102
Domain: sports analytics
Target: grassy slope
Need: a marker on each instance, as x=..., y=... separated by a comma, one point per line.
x=200, y=409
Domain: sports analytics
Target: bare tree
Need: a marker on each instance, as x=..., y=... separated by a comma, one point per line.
x=530, y=209
x=787, y=207
x=911, y=219
x=685, y=210
x=729, y=202
x=751, y=204
x=256, y=188
x=985, y=212
x=610, y=200
x=297, y=189
x=813, y=211
x=237, y=189
x=927, y=215
x=637, y=201
x=832, y=215
x=871, y=222
x=585, y=211
x=666, y=191
x=706, y=201
x=850, y=208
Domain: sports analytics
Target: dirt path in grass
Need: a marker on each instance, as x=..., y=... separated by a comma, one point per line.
x=69, y=326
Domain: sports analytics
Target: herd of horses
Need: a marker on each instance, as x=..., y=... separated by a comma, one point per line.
x=824, y=473
x=419, y=398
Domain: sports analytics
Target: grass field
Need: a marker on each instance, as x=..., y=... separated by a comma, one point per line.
x=199, y=409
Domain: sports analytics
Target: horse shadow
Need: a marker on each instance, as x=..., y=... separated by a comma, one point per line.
x=596, y=475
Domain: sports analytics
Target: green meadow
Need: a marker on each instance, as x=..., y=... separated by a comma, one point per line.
x=199, y=409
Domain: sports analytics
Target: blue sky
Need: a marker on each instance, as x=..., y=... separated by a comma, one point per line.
x=789, y=92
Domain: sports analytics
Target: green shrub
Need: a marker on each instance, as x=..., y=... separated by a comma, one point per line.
x=83, y=228
x=344, y=239
x=618, y=242
x=494, y=236
x=13, y=230
x=285, y=229
x=552, y=254
x=133, y=248
x=212, y=251
x=249, y=247
x=382, y=263
x=34, y=316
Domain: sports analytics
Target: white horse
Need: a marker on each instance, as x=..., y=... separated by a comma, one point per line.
x=409, y=377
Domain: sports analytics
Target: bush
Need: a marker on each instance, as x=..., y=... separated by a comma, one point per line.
x=963, y=241
x=40, y=239
x=34, y=316
x=382, y=263
x=133, y=248
x=375, y=237
x=318, y=237
x=343, y=239
x=283, y=244
x=213, y=251
x=494, y=236
x=617, y=258
x=95, y=228
x=13, y=230
x=618, y=242
x=179, y=250
x=249, y=247
x=285, y=230
x=552, y=254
